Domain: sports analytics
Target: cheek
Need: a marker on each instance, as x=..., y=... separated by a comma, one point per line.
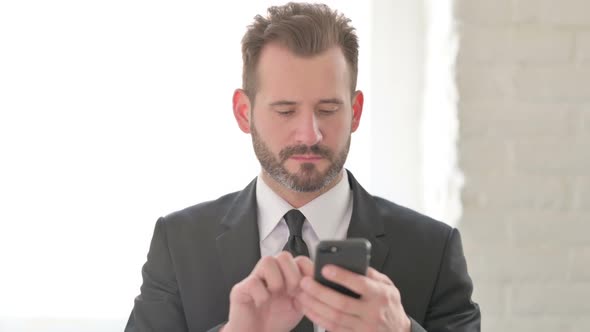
x=337, y=131
x=272, y=134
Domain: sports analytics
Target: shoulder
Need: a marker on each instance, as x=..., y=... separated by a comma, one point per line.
x=212, y=208
x=414, y=225
x=202, y=217
x=399, y=222
x=393, y=212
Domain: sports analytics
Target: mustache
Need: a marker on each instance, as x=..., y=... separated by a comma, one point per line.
x=304, y=149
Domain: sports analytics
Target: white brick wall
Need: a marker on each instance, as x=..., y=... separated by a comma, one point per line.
x=583, y=46
x=485, y=12
x=579, y=269
x=553, y=229
x=551, y=12
x=552, y=83
x=507, y=44
x=523, y=79
x=582, y=195
x=476, y=123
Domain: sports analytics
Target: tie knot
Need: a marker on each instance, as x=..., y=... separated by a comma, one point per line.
x=294, y=219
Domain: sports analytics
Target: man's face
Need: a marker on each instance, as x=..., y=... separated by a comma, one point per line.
x=302, y=117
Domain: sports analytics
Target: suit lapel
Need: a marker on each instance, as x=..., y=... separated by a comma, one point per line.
x=367, y=223
x=238, y=246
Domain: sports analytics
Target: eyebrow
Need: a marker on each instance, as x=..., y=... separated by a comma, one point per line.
x=331, y=101
x=283, y=103
x=322, y=101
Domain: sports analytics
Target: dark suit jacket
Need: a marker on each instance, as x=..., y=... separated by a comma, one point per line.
x=199, y=253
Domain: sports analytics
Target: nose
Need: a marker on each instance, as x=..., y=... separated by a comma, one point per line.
x=308, y=131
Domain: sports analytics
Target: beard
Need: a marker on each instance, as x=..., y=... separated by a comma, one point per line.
x=308, y=178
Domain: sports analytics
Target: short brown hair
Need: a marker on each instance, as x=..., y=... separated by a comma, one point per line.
x=306, y=29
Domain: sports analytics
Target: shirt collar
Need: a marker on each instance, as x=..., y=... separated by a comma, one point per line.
x=271, y=208
x=325, y=213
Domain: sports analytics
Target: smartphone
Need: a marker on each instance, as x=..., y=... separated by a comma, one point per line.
x=352, y=254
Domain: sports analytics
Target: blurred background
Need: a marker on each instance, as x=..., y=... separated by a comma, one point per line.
x=114, y=113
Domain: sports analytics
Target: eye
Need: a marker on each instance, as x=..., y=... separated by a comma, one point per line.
x=327, y=108
x=285, y=112
x=327, y=111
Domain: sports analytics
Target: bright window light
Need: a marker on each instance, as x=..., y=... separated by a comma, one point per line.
x=113, y=113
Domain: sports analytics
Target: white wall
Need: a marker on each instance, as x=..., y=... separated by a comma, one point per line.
x=397, y=63
x=523, y=75
x=442, y=179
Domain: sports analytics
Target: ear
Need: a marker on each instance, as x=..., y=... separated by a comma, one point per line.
x=357, y=109
x=241, y=106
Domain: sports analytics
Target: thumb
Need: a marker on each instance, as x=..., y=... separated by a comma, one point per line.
x=305, y=266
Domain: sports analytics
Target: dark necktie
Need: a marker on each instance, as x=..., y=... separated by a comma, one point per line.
x=296, y=246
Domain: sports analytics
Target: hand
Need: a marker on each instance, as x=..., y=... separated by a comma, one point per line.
x=264, y=301
x=378, y=309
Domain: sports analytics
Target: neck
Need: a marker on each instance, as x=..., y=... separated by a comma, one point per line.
x=295, y=198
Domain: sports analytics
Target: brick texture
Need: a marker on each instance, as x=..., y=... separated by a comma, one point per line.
x=523, y=80
x=484, y=12
x=582, y=48
x=520, y=44
x=551, y=12
x=579, y=269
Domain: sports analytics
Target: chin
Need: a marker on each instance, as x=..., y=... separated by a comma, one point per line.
x=309, y=171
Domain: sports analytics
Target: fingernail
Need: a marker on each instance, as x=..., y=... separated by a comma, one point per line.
x=329, y=271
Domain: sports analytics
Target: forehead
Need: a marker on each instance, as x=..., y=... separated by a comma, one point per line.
x=283, y=74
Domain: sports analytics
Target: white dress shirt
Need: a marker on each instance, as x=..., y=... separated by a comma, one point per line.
x=327, y=217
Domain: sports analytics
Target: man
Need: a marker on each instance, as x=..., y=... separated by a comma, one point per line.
x=220, y=265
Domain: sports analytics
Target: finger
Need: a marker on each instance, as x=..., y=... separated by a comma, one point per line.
x=330, y=297
x=325, y=316
x=289, y=270
x=305, y=265
x=357, y=283
x=378, y=276
x=269, y=272
x=250, y=289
